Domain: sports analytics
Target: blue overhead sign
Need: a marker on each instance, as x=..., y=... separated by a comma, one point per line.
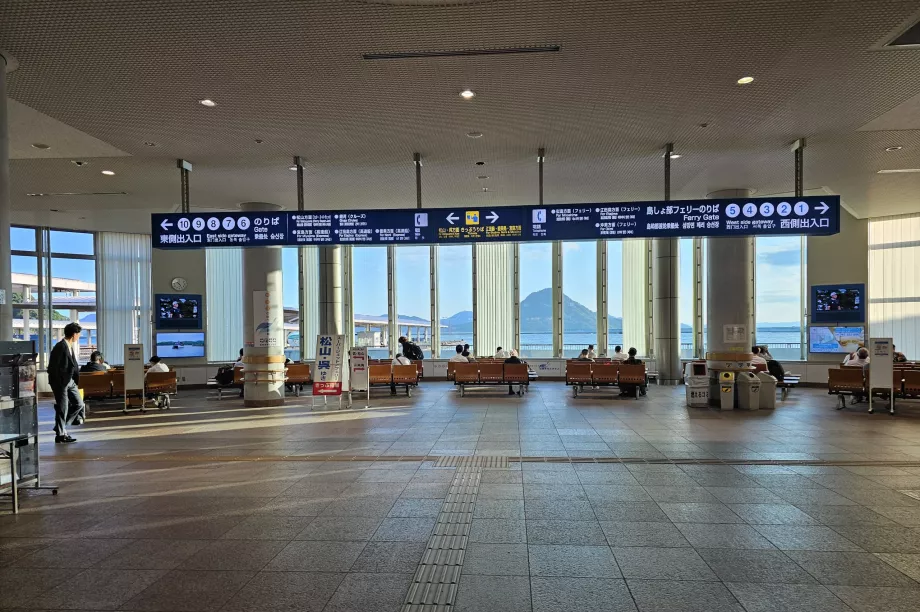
x=683, y=218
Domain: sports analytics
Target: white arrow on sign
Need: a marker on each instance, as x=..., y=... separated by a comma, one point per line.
x=166, y=224
x=823, y=208
x=493, y=217
x=451, y=218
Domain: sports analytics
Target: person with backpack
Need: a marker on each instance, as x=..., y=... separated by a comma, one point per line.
x=410, y=350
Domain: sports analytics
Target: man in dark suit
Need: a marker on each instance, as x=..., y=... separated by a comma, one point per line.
x=63, y=375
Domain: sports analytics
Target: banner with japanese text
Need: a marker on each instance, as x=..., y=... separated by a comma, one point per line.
x=330, y=359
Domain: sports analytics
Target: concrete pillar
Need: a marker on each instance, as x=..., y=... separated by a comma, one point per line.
x=264, y=375
x=330, y=291
x=6, y=272
x=730, y=295
x=666, y=319
x=26, y=319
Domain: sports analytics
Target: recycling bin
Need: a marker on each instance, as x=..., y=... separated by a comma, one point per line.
x=748, y=389
x=722, y=390
x=767, y=391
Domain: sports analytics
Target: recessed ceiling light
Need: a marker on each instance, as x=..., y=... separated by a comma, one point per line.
x=467, y=94
x=40, y=146
x=745, y=80
x=485, y=189
x=259, y=141
x=474, y=134
x=108, y=172
x=207, y=102
x=900, y=171
x=294, y=168
x=676, y=156
x=482, y=177
x=890, y=149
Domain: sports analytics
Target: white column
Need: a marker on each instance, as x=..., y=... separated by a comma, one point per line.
x=666, y=321
x=730, y=292
x=603, y=311
x=330, y=290
x=262, y=266
x=348, y=299
x=558, y=315
x=392, y=307
x=26, y=319
x=6, y=273
x=635, y=274
x=310, y=300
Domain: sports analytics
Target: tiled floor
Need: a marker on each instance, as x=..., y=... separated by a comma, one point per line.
x=213, y=506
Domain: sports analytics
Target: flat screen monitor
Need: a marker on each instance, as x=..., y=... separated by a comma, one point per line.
x=179, y=345
x=838, y=303
x=178, y=311
x=835, y=339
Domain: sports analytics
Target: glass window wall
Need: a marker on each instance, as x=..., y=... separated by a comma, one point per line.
x=413, y=294
x=455, y=297
x=779, y=305
x=369, y=274
x=614, y=295
x=579, y=302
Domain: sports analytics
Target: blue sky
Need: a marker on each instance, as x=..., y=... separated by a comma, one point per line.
x=778, y=277
x=778, y=274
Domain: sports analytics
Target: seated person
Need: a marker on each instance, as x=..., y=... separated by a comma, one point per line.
x=591, y=353
x=897, y=356
x=861, y=358
x=156, y=365
x=513, y=358
x=459, y=357
x=630, y=390
x=618, y=354
x=239, y=362
x=758, y=358
x=584, y=356
x=765, y=352
x=96, y=363
x=469, y=358
x=398, y=360
x=500, y=353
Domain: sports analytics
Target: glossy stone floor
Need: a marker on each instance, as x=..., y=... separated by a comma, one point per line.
x=212, y=506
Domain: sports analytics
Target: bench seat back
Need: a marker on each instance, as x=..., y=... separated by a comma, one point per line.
x=516, y=373
x=605, y=373
x=632, y=374
x=578, y=372
x=466, y=372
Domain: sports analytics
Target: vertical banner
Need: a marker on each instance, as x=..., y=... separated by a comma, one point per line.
x=359, y=372
x=134, y=367
x=267, y=319
x=330, y=357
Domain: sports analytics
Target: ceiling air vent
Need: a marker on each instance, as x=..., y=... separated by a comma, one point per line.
x=77, y=193
x=910, y=38
x=461, y=52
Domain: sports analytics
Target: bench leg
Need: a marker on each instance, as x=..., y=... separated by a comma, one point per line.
x=408, y=391
x=841, y=402
x=574, y=390
x=784, y=392
x=461, y=390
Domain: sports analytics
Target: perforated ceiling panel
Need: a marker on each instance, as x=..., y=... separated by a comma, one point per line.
x=631, y=75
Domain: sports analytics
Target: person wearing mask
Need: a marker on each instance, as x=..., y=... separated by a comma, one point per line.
x=95, y=364
x=757, y=359
x=459, y=357
x=63, y=376
x=630, y=390
x=400, y=359
x=591, y=353
x=513, y=358
x=618, y=354
x=410, y=350
x=156, y=365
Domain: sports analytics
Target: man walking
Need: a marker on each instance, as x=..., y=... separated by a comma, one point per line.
x=63, y=374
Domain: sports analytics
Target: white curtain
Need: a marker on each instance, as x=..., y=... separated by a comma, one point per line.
x=494, y=297
x=894, y=281
x=224, y=303
x=123, y=307
x=635, y=282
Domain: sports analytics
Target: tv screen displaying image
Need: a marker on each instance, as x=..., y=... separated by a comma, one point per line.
x=178, y=311
x=838, y=303
x=835, y=339
x=179, y=345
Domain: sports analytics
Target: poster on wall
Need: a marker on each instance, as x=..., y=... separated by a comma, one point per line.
x=267, y=319
x=735, y=334
x=330, y=358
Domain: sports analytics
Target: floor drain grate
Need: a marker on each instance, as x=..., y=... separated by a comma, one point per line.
x=479, y=461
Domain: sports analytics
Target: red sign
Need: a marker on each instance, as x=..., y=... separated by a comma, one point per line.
x=327, y=388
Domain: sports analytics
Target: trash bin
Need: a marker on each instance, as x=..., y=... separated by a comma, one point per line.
x=696, y=381
x=722, y=392
x=748, y=386
x=767, y=391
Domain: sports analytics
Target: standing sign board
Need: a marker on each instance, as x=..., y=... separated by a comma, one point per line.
x=134, y=369
x=267, y=320
x=881, y=367
x=330, y=358
x=359, y=373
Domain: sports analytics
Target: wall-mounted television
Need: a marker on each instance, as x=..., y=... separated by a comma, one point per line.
x=179, y=345
x=177, y=311
x=838, y=303
x=835, y=339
